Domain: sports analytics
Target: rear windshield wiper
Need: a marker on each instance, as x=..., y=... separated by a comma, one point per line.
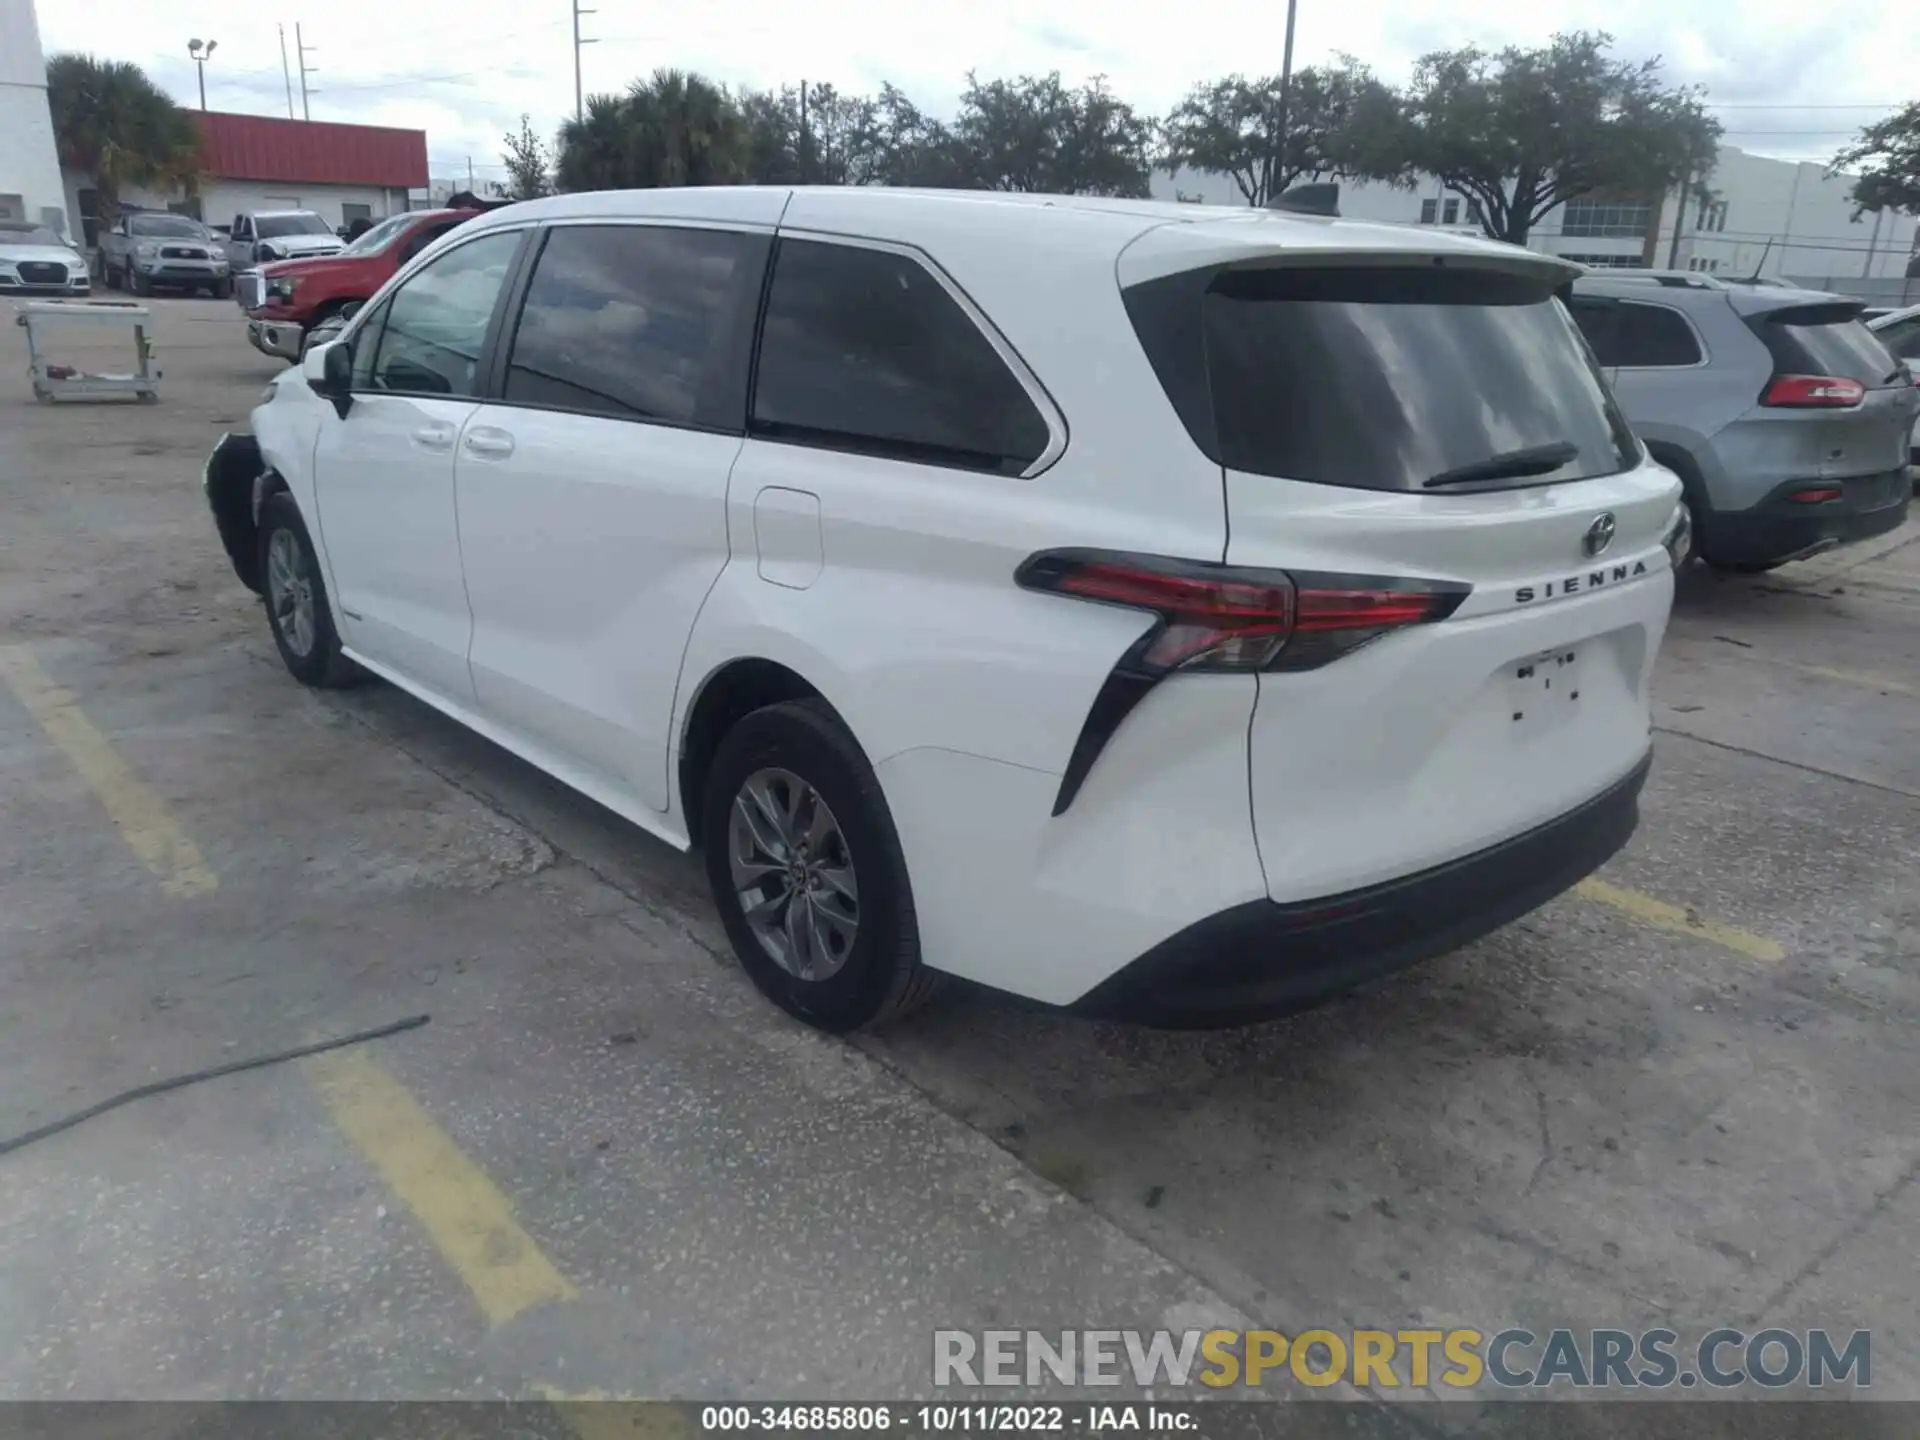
x=1508, y=465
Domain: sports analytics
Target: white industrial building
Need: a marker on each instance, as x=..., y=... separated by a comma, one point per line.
x=1770, y=217
x=30, y=186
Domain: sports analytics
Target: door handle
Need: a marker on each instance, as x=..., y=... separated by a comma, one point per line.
x=434, y=436
x=489, y=442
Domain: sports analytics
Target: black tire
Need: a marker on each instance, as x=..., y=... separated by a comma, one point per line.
x=138, y=283
x=223, y=289
x=881, y=976
x=321, y=665
x=108, y=275
x=97, y=267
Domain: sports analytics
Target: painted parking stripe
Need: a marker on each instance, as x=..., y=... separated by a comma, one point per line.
x=462, y=1211
x=1680, y=921
x=136, y=811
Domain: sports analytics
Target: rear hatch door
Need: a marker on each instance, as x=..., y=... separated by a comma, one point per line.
x=1430, y=416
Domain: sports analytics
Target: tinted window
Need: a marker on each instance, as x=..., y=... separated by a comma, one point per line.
x=1381, y=379
x=436, y=323
x=1597, y=319
x=1827, y=340
x=1647, y=336
x=639, y=322
x=366, y=346
x=864, y=349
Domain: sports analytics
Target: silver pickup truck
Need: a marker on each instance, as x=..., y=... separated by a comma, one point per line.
x=266, y=235
x=148, y=249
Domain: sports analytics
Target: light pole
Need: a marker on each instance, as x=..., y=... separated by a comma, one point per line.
x=201, y=54
x=1286, y=83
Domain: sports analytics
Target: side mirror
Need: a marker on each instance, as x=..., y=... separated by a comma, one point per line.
x=329, y=371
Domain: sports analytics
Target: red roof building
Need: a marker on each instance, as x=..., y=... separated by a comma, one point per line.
x=310, y=152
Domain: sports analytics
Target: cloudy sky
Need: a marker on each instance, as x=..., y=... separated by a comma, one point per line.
x=1788, y=78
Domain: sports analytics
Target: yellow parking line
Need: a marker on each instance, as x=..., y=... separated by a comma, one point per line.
x=461, y=1210
x=139, y=814
x=1663, y=916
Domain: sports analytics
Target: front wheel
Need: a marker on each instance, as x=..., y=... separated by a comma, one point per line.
x=139, y=284
x=296, y=596
x=807, y=873
x=223, y=289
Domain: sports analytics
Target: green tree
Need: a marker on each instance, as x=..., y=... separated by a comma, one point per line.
x=527, y=164
x=1034, y=133
x=673, y=128
x=592, y=152
x=1340, y=122
x=832, y=140
x=114, y=123
x=1887, y=156
x=1525, y=131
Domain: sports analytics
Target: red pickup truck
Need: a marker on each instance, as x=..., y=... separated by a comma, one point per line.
x=286, y=299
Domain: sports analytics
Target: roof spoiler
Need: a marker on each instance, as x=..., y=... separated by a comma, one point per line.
x=1310, y=200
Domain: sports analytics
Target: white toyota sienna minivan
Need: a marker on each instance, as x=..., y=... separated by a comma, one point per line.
x=1168, y=612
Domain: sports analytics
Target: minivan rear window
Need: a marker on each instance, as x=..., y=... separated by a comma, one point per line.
x=1827, y=340
x=1383, y=378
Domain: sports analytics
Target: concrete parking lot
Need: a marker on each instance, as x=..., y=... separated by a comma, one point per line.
x=1687, y=1095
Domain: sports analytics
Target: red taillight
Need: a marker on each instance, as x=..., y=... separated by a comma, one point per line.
x=1818, y=496
x=1816, y=392
x=1221, y=618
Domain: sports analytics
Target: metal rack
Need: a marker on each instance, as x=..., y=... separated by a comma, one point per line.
x=54, y=381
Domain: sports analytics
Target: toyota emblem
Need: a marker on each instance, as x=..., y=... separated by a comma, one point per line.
x=1599, y=534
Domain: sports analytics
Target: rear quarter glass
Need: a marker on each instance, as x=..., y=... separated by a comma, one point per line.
x=1381, y=378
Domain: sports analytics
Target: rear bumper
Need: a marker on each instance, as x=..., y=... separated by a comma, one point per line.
x=1260, y=960
x=1778, y=528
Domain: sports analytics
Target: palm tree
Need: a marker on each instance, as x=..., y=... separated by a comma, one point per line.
x=671, y=129
x=111, y=121
x=593, y=149
x=688, y=131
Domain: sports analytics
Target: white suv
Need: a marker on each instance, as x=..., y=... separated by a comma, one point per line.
x=1170, y=612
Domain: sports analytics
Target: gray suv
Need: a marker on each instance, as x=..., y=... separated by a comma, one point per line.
x=1785, y=418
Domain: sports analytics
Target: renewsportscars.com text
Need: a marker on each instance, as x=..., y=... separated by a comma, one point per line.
x=1512, y=1359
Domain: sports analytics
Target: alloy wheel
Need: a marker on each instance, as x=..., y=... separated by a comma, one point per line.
x=290, y=592
x=793, y=874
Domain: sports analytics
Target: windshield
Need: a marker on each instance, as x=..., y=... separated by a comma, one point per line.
x=1386, y=379
x=30, y=235
x=379, y=237
x=178, y=227
x=305, y=223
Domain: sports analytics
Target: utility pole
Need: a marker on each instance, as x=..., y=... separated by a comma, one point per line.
x=305, y=70
x=286, y=71
x=470, y=189
x=1873, y=245
x=1286, y=86
x=1679, y=220
x=803, y=132
x=578, y=109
